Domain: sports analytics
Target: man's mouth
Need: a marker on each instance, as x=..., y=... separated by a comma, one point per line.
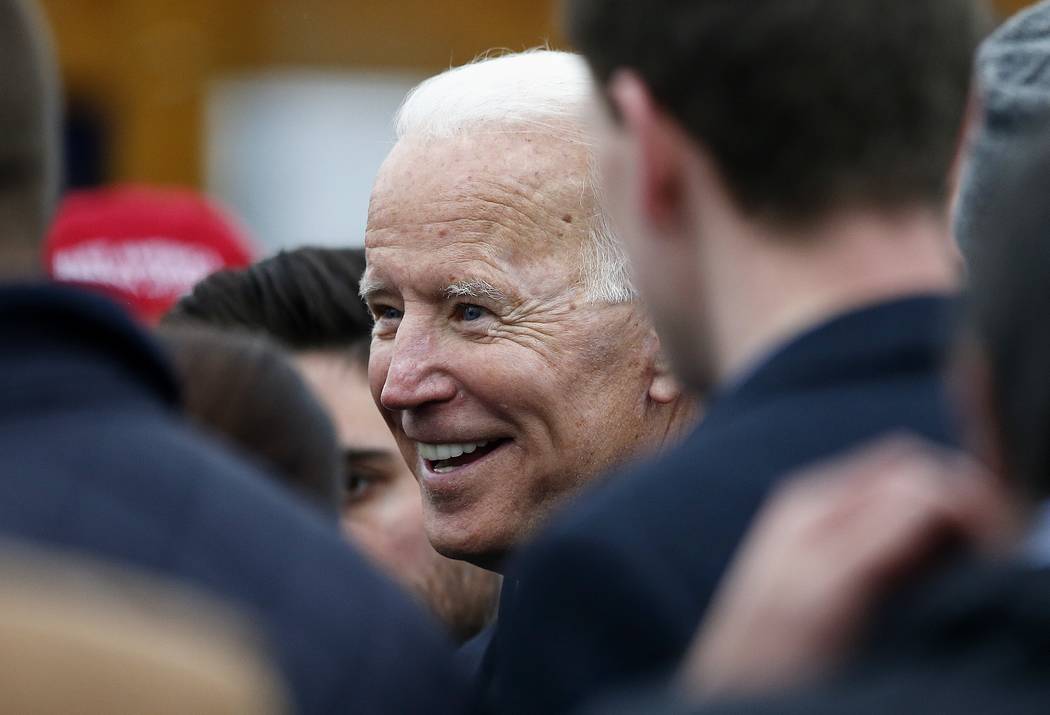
x=445, y=458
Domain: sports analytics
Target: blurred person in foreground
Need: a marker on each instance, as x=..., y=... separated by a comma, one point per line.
x=779, y=173
x=145, y=247
x=1009, y=112
x=908, y=579
x=243, y=390
x=77, y=635
x=510, y=356
x=98, y=462
x=307, y=301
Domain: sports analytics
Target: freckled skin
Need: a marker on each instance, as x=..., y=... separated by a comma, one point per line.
x=565, y=379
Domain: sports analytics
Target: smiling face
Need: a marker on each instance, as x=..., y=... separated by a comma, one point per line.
x=505, y=388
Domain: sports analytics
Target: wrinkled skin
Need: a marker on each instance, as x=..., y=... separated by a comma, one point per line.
x=382, y=510
x=571, y=387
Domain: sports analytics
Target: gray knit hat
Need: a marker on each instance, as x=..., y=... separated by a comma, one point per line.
x=1013, y=84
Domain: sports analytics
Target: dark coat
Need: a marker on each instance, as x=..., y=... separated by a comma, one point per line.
x=96, y=461
x=614, y=592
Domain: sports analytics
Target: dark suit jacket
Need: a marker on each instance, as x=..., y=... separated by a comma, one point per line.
x=616, y=589
x=975, y=640
x=96, y=461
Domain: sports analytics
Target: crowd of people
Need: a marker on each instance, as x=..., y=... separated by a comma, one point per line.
x=699, y=372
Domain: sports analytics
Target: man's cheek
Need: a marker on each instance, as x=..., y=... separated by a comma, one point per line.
x=378, y=368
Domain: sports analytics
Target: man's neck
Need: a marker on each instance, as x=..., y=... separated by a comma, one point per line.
x=768, y=287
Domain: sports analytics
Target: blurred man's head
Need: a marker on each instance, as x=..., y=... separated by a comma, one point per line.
x=1001, y=224
x=242, y=389
x=1009, y=115
x=1008, y=384
x=307, y=300
x=29, y=136
x=777, y=136
x=510, y=357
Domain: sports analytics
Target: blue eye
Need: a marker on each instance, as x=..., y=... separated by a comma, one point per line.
x=389, y=314
x=472, y=312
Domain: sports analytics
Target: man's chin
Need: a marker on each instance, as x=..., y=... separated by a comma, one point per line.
x=484, y=553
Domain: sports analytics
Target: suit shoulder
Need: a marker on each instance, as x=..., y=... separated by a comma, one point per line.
x=177, y=504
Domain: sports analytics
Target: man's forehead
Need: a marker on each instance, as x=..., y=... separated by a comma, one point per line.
x=509, y=152
x=508, y=210
x=513, y=177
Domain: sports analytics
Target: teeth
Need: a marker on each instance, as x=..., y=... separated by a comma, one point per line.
x=441, y=452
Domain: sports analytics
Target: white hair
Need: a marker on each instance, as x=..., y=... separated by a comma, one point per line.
x=539, y=90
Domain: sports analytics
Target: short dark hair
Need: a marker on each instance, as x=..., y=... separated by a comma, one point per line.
x=243, y=390
x=805, y=105
x=29, y=126
x=1009, y=292
x=306, y=299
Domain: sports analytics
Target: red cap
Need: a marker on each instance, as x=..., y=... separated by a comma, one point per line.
x=146, y=247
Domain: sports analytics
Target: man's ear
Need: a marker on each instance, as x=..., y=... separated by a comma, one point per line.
x=973, y=387
x=971, y=124
x=659, y=155
x=970, y=127
x=664, y=387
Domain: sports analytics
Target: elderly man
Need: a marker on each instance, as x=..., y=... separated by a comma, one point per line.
x=509, y=356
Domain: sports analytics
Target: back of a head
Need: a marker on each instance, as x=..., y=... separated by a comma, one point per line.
x=29, y=136
x=305, y=299
x=805, y=106
x=1010, y=289
x=1013, y=101
x=241, y=389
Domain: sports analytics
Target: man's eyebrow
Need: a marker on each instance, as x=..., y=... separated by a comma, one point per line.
x=356, y=455
x=475, y=288
x=370, y=285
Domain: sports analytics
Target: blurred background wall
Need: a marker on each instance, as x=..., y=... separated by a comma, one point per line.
x=280, y=108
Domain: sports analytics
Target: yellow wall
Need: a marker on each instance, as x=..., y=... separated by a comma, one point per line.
x=150, y=60
x=1009, y=7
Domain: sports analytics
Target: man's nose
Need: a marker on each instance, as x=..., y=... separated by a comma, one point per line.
x=417, y=375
